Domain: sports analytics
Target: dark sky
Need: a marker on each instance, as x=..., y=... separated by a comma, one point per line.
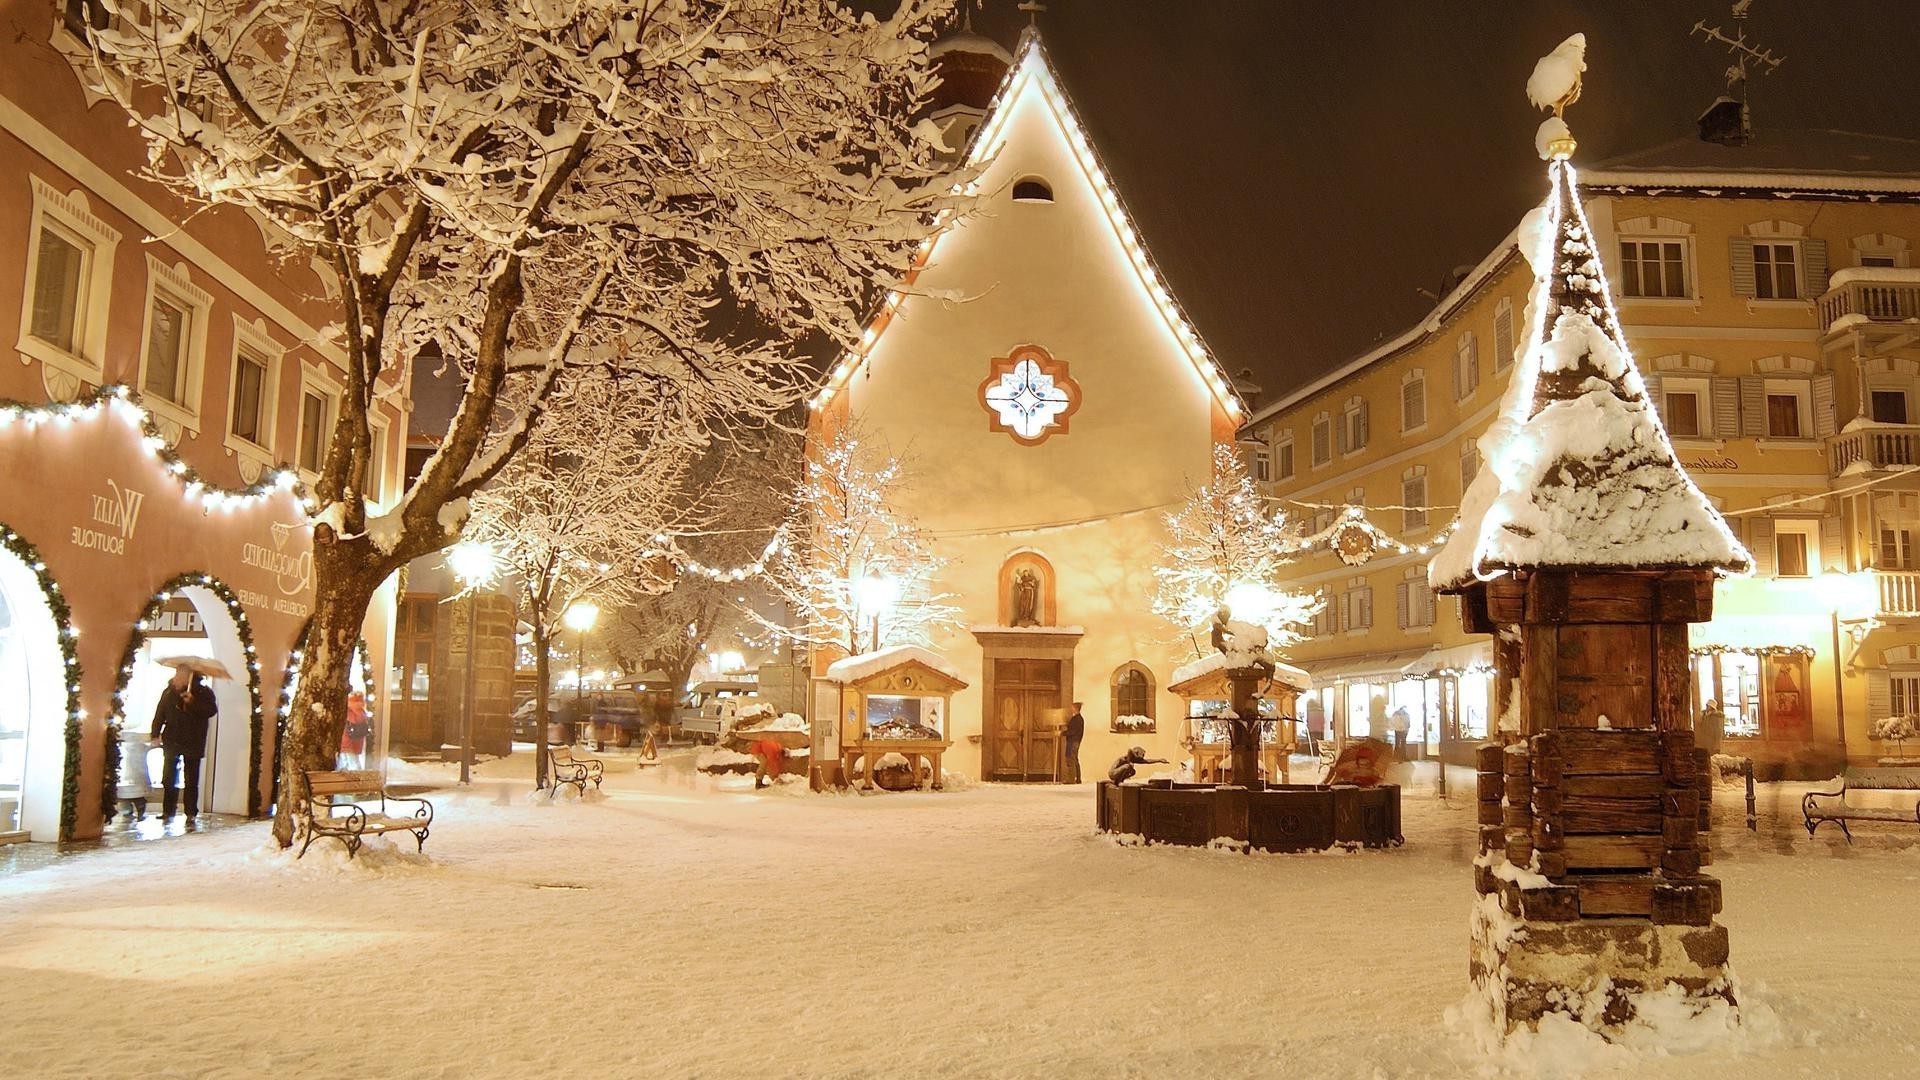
x=1300, y=169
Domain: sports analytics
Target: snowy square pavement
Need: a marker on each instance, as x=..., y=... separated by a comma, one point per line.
x=683, y=929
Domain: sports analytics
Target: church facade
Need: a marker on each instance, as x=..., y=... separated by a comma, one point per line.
x=1052, y=405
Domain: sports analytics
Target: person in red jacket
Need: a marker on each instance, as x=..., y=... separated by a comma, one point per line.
x=180, y=727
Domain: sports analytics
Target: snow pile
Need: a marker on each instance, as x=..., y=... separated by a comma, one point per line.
x=1557, y=74
x=1579, y=472
x=378, y=855
x=1133, y=723
x=855, y=668
x=1207, y=665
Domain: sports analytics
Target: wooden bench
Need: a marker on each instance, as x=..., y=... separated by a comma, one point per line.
x=323, y=816
x=568, y=769
x=1823, y=806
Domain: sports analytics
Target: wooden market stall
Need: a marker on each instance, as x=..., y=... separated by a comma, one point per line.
x=1203, y=684
x=894, y=701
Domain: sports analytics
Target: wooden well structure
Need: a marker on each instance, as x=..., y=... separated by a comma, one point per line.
x=872, y=689
x=1212, y=683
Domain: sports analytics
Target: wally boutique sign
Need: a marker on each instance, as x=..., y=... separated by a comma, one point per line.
x=115, y=515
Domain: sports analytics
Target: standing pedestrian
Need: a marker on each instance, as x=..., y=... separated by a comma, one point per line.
x=180, y=727
x=353, y=737
x=1400, y=723
x=1076, y=730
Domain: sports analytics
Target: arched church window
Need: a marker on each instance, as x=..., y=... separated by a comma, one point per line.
x=1032, y=189
x=1132, y=700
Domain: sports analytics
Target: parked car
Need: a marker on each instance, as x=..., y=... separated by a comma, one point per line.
x=710, y=708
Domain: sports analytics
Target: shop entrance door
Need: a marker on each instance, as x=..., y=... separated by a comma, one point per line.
x=413, y=672
x=1025, y=728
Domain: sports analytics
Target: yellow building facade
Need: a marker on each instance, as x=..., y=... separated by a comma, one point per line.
x=1770, y=302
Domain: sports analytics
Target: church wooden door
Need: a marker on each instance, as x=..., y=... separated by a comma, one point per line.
x=1025, y=738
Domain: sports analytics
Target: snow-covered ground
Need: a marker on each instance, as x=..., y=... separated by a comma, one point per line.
x=684, y=926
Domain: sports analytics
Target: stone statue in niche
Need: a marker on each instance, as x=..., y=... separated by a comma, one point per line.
x=1026, y=598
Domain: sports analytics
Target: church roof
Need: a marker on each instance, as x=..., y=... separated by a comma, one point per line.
x=1033, y=72
x=1579, y=473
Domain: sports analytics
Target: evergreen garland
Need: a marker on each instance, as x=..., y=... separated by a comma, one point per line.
x=110, y=776
x=21, y=548
x=117, y=709
x=289, y=683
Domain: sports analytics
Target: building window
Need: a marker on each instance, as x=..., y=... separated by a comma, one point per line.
x=1890, y=406
x=1414, y=601
x=249, y=397
x=1326, y=620
x=1503, y=334
x=1682, y=414
x=1132, y=691
x=1032, y=189
x=1776, y=274
x=167, y=327
x=58, y=277
x=1029, y=395
x=1653, y=268
x=175, y=342
x=1878, y=260
x=1905, y=690
x=1413, y=402
x=63, y=318
x=1896, y=548
x=1796, y=548
x=1283, y=458
x=1322, y=441
x=376, y=485
x=1358, y=604
x=1784, y=406
x=1413, y=493
x=1469, y=464
x=1466, y=365
x=316, y=421
x=1353, y=427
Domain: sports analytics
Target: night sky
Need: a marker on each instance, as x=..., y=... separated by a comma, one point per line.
x=1301, y=169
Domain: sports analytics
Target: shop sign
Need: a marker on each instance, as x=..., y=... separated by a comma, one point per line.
x=292, y=570
x=117, y=513
x=177, y=619
x=1712, y=464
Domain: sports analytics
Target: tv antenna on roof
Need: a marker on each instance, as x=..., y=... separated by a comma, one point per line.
x=1744, y=54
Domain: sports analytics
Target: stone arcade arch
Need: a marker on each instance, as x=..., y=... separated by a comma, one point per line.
x=40, y=678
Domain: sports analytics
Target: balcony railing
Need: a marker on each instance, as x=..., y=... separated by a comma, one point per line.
x=1899, y=591
x=1881, y=446
x=1888, y=296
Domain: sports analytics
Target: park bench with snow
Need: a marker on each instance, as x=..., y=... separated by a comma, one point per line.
x=568, y=769
x=1823, y=806
x=352, y=822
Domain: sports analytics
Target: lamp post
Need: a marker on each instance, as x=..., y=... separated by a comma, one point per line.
x=877, y=593
x=475, y=564
x=580, y=618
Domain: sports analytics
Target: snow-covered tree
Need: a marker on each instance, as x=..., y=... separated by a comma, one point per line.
x=851, y=558
x=576, y=516
x=672, y=189
x=1225, y=549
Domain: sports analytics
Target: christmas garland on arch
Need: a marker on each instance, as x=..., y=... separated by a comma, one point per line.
x=117, y=708
x=289, y=685
x=21, y=548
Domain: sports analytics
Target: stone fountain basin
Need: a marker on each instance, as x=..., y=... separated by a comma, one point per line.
x=1273, y=817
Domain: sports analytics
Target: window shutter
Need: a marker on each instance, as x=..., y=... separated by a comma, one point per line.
x=1726, y=406
x=1753, y=406
x=1823, y=405
x=1742, y=255
x=1832, y=547
x=1813, y=253
x=1473, y=361
x=1654, y=394
x=1502, y=339
x=1427, y=603
x=1760, y=542
x=1340, y=435
x=1364, y=432
x=1879, y=694
x=1366, y=608
x=1458, y=390
x=1401, y=612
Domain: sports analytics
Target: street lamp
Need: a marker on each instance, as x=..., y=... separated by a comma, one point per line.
x=580, y=617
x=475, y=564
x=877, y=593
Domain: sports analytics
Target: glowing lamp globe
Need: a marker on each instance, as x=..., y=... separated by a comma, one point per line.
x=581, y=616
x=473, y=562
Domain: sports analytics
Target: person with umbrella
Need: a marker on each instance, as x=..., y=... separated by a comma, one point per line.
x=180, y=727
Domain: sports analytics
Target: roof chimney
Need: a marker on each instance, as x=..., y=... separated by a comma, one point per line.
x=1725, y=122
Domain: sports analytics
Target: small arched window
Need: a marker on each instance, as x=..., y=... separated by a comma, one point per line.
x=1132, y=702
x=1032, y=189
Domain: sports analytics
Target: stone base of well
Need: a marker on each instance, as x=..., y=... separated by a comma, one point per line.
x=1271, y=817
x=1591, y=970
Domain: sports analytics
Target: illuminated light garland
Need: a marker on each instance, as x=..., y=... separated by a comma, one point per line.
x=121, y=400
x=21, y=548
x=289, y=685
x=1355, y=517
x=1033, y=64
x=1753, y=650
x=117, y=705
x=669, y=550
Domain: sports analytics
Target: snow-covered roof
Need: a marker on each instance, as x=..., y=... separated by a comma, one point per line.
x=1805, y=159
x=1217, y=662
x=966, y=41
x=1579, y=471
x=864, y=665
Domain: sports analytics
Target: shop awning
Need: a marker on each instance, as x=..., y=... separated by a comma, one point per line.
x=1756, y=633
x=1370, y=667
x=1478, y=654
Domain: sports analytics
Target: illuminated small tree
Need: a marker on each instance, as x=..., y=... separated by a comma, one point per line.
x=851, y=560
x=1225, y=549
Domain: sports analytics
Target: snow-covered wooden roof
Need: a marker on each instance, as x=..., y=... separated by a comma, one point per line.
x=865, y=666
x=1189, y=680
x=1579, y=472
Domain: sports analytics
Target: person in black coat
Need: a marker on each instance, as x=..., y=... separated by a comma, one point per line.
x=180, y=727
x=1076, y=730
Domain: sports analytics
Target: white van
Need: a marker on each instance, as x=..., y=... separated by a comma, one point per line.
x=711, y=708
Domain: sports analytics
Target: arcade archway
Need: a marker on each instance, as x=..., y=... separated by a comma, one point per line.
x=40, y=682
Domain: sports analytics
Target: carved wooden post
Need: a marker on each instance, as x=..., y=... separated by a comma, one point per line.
x=1585, y=550
x=1244, y=730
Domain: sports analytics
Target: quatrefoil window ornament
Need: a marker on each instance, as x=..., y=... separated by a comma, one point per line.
x=1029, y=395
